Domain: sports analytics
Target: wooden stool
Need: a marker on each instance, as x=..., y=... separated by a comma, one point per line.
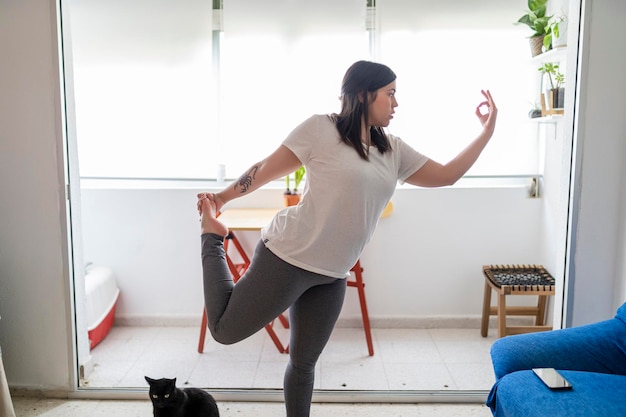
x=516, y=280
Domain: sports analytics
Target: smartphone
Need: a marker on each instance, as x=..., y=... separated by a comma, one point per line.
x=552, y=378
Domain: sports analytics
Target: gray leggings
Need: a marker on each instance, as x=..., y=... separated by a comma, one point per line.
x=269, y=287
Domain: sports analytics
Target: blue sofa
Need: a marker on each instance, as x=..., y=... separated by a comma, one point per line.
x=591, y=357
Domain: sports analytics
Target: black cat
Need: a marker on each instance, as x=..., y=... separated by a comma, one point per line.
x=169, y=401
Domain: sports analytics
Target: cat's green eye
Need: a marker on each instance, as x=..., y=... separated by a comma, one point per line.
x=167, y=396
x=155, y=396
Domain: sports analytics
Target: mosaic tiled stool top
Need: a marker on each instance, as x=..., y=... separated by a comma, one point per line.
x=520, y=277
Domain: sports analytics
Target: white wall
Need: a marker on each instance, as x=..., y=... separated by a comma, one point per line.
x=35, y=330
x=597, y=251
x=424, y=261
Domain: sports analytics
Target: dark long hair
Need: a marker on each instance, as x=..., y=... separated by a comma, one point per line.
x=361, y=78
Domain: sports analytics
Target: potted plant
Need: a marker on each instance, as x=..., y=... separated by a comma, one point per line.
x=556, y=35
x=292, y=196
x=556, y=79
x=536, y=19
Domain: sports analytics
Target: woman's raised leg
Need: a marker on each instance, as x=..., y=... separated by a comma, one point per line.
x=217, y=280
x=268, y=288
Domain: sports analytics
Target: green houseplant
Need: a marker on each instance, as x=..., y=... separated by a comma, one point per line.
x=292, y=196
x=556, y=32
x=556, y=80
x=536, y=19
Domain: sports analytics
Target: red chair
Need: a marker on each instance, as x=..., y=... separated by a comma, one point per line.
x=360, y=286
x=237, y=270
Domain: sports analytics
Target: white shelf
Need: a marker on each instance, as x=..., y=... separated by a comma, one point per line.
x=555, y=118
x=553, y=55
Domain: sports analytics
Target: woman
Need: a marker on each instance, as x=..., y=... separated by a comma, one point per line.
x=306, y=252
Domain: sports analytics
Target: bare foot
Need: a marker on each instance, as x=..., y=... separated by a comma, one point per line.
x=208, y=222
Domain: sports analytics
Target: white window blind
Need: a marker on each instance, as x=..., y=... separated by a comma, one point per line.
x=282, y=61
x=444, y=53
x=162, y=92
x=143, y=86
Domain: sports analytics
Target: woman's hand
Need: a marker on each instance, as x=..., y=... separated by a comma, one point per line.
x=211, y=197
x=487, y=119
x=434, y=174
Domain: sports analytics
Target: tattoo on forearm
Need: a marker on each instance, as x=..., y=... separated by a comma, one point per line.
x=245, y=181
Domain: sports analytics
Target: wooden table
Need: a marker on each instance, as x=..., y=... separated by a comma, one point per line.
x=244, y=219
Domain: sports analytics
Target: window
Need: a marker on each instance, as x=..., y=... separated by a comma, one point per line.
x=281, y=61
x=143, y=86
x=444, y=53
x=171, y=89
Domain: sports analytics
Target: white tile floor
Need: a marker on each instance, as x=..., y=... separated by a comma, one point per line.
x=44, y=407
x=405, y=359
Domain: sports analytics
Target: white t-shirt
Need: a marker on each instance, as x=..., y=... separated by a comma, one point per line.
x=342, y=201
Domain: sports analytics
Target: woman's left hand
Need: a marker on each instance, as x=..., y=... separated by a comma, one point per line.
x=488, y=118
